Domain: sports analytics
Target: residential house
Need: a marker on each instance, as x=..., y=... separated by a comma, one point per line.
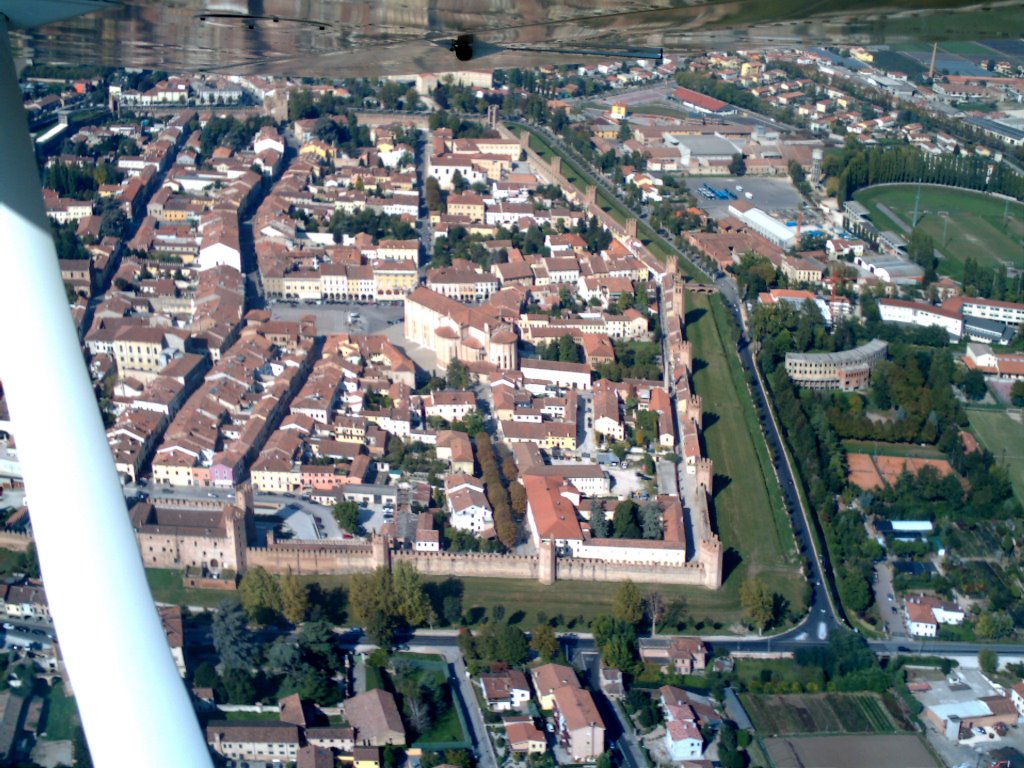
x=578, y=723
x=683, y=739
x=549, y=677
x=267, y=741
x=682, y=655
x=506, y=690
x=375, y=717
x=524, y=736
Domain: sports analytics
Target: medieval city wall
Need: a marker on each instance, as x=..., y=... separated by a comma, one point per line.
x=576, y=569
x=472, y=565
x=305, y=559
x=325, y=559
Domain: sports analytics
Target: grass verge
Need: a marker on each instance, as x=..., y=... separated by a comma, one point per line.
x=166, y=586
x=61, y=715
x=748, y=503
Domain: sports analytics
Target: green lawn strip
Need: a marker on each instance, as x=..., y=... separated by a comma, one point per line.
x=167, y=587
x=729, y=334
x=411, y=656
x=659, y=109
x=61, y=715
x=968, y=48
x=781, y=670
x=1004, y=437
x=893, y=449
x=374, y=678
x=976, y=24
x=743, y=507
x=10, y=561
x=570, y=601
x=446, y=729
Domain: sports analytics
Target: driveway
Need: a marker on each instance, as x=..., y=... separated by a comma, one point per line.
x=485, y=750
x=883, y=589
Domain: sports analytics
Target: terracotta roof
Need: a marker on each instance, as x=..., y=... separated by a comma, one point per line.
x=269, y=732
x=374, y=715
x=577, y=707
x=549, y=677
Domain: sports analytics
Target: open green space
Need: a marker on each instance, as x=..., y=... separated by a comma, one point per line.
x=1004, y=437
x=818, y=713
x=10, y=561
x=61, y=715
x=446, y=730
x=967, y=48
x=572, y=604
x=963, y=223
x=374, y=678
x=978, y=23
x=660, y=108
x=749, y=511
x=167, y=587
x=575, y=602
x=893, y=449
x=751, y=672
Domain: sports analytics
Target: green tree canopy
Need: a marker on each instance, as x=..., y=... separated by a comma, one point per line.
x=628, y=603
x=758, y=603
x=294, y=598
x=261, y=595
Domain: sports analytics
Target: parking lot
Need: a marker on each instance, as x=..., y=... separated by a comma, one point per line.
x=334, y=318
x=625, y=482
x=774, y=195
x=373, y=517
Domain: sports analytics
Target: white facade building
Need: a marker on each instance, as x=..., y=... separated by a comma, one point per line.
x=920, y=314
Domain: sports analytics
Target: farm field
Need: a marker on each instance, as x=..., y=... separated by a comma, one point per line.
x=1004, y=437
x=896, y=751
x=818, y=713
x=975, y=227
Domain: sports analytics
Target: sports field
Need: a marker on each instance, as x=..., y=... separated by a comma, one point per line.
x=963, y=223
x=1004, y=437
x=818, y=713
x=870, y=472
x=748, y=504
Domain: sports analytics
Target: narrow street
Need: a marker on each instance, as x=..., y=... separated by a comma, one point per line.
x=620, y=734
